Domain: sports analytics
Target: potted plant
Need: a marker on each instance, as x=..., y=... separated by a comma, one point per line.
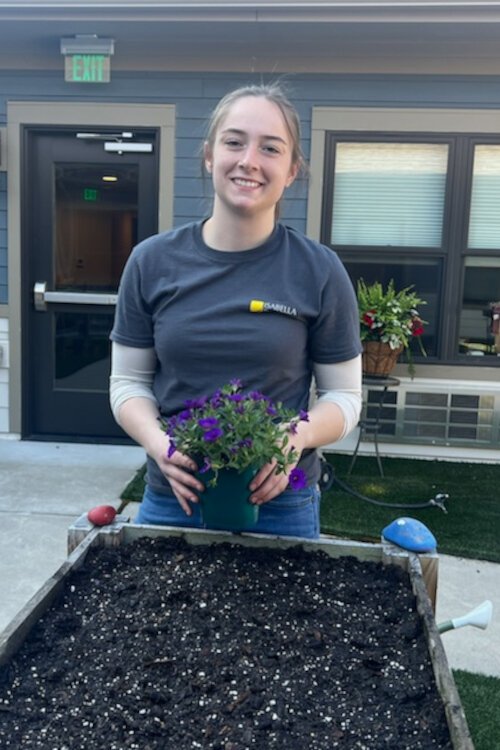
x=390, y=322
x=231, y=435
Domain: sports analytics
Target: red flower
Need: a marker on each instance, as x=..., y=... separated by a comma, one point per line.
x=369, y=318
x=417, y=328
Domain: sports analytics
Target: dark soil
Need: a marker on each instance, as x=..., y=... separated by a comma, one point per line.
x=161, y=645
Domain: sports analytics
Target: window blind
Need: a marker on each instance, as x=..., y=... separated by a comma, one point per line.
x=389, y=194
x=484, y=223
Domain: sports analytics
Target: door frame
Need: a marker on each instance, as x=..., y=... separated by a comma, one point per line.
x=82, y=115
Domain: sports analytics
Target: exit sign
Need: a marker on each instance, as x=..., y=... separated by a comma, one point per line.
x=90, y=194
x=87, y=68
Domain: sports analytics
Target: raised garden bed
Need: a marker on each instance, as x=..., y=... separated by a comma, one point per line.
x=162, y=643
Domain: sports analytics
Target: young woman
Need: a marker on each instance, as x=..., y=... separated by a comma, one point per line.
x=184, y=324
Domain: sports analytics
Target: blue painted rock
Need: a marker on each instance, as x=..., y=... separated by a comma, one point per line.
x=410, y=534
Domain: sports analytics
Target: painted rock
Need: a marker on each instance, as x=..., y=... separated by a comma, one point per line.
x=410, y=534
x=101, y=515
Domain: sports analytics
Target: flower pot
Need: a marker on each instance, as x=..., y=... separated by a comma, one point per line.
x=378, y=358
x=227, y=506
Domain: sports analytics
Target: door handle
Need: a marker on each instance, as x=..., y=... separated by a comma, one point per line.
x=41, y=297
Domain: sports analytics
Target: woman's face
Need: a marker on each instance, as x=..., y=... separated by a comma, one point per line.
x=251, y=158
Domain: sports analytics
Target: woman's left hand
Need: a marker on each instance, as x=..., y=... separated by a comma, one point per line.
x=267, y=484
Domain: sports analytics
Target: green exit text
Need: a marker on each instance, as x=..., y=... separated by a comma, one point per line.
x=87, y=69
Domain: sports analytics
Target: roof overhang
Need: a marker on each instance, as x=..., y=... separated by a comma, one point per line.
x=351, y=36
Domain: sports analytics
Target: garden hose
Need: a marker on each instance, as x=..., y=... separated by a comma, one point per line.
x=328, y=479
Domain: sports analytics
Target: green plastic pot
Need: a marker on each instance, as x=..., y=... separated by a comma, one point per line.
x=227, y=505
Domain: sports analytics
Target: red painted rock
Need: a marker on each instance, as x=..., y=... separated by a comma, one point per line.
x=101, y=515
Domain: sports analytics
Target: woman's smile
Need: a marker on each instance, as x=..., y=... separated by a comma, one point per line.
x=243, y=182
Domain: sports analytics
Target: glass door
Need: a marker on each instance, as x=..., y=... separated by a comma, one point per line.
x=86, y=209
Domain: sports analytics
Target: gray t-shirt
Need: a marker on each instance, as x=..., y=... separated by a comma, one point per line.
x=199, y=308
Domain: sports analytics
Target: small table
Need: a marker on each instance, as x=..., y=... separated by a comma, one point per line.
x=371, y=425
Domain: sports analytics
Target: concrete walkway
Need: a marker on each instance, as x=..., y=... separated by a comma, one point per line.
x=45, y=487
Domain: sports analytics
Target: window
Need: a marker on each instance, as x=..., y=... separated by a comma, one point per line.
x=425, y=274
x=479, y=333
x=422, y=209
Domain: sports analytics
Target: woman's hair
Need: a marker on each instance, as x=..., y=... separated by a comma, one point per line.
x=273, y=93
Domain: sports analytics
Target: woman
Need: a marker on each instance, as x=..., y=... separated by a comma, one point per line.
x=185, y=326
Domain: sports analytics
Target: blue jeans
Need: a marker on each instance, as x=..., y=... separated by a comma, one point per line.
x=293, y=513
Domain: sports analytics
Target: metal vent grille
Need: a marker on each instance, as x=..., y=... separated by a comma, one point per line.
x=449, y=417
x=388, y=412
x=438, y=417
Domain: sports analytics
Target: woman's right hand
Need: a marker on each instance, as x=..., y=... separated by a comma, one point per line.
x=176, y=468
x=139, y=418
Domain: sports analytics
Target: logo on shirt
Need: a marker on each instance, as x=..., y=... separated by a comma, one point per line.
x=259, y=306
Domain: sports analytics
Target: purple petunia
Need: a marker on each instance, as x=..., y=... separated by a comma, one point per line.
x=245, y=443
x=303, y=415
x=212, y=435
x=297, y=479
x=208, y=422
x=206, y=466
x=256, y=396
x=171, y=424
x=196, y=403
x=234, y=429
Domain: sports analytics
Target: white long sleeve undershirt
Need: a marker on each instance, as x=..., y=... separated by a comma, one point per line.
x=133, y=369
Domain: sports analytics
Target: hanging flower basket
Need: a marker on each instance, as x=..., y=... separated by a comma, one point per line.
x=378, y=358
x=389, y=323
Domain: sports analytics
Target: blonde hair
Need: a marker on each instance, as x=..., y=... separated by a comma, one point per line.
x=273, y=93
